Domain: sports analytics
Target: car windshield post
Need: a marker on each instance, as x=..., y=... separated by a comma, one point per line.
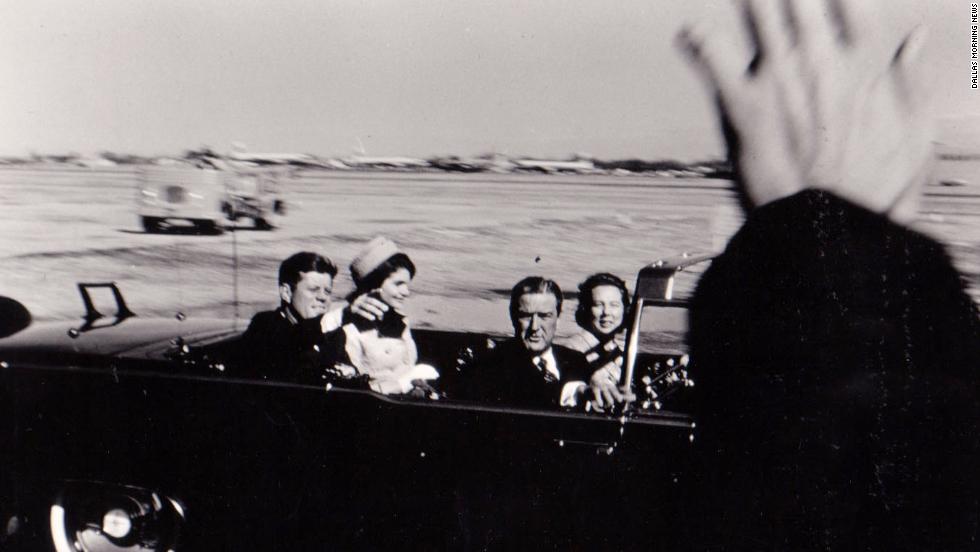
x=654, y=287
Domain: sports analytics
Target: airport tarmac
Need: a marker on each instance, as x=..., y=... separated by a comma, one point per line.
x=471, y=235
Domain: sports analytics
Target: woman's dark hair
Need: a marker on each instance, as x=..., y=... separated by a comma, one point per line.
x=583, y=313
x=376, y=277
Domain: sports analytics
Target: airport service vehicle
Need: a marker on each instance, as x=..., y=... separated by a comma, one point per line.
x=204, y=199
x=124, y=433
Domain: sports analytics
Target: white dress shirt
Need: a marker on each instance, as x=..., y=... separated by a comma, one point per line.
x=570, y=391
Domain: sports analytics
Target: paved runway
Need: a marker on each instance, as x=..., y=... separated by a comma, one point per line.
x=472, y=236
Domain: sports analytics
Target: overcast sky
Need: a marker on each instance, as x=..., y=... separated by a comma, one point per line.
x=549, y=78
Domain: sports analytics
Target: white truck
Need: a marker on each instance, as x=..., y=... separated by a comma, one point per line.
x=206, y=199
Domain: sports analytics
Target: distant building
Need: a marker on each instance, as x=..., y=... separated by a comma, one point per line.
x=547, y=166
x=363, y=161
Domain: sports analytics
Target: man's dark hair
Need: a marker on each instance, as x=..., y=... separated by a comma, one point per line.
x=583, y=313
x=533, y=284
x=290, y=271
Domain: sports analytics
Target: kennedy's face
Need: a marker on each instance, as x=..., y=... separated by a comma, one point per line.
x=311, y=296
x=536, y=320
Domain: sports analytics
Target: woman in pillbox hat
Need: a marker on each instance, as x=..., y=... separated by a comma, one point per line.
x=384, y=349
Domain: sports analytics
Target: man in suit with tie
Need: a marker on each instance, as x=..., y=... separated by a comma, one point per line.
x=528, y=370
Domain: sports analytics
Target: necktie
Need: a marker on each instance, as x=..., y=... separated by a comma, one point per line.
x=542, y=365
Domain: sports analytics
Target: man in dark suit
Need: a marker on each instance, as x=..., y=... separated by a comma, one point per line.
x=284, y=343
x=528, y=370
x=289, y=343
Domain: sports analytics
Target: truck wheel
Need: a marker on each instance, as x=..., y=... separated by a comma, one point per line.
x=207, y=227
x=151, y=225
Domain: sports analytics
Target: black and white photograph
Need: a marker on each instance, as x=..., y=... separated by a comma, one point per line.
x=489, y=275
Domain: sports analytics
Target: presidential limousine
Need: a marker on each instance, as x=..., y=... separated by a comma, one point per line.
x=124, y=433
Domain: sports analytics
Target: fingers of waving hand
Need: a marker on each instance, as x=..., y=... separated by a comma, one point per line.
x=913, y=89
x=719, y=64
x=894, y=170
x=878, y=147
x=765, y=24
x=824, y=102
x=814, y=27
x=762, y=107
x=907, y=68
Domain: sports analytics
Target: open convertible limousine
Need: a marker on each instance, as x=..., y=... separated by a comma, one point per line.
x=124, y=433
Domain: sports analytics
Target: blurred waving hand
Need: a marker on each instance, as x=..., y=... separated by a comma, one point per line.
x=825, y=102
